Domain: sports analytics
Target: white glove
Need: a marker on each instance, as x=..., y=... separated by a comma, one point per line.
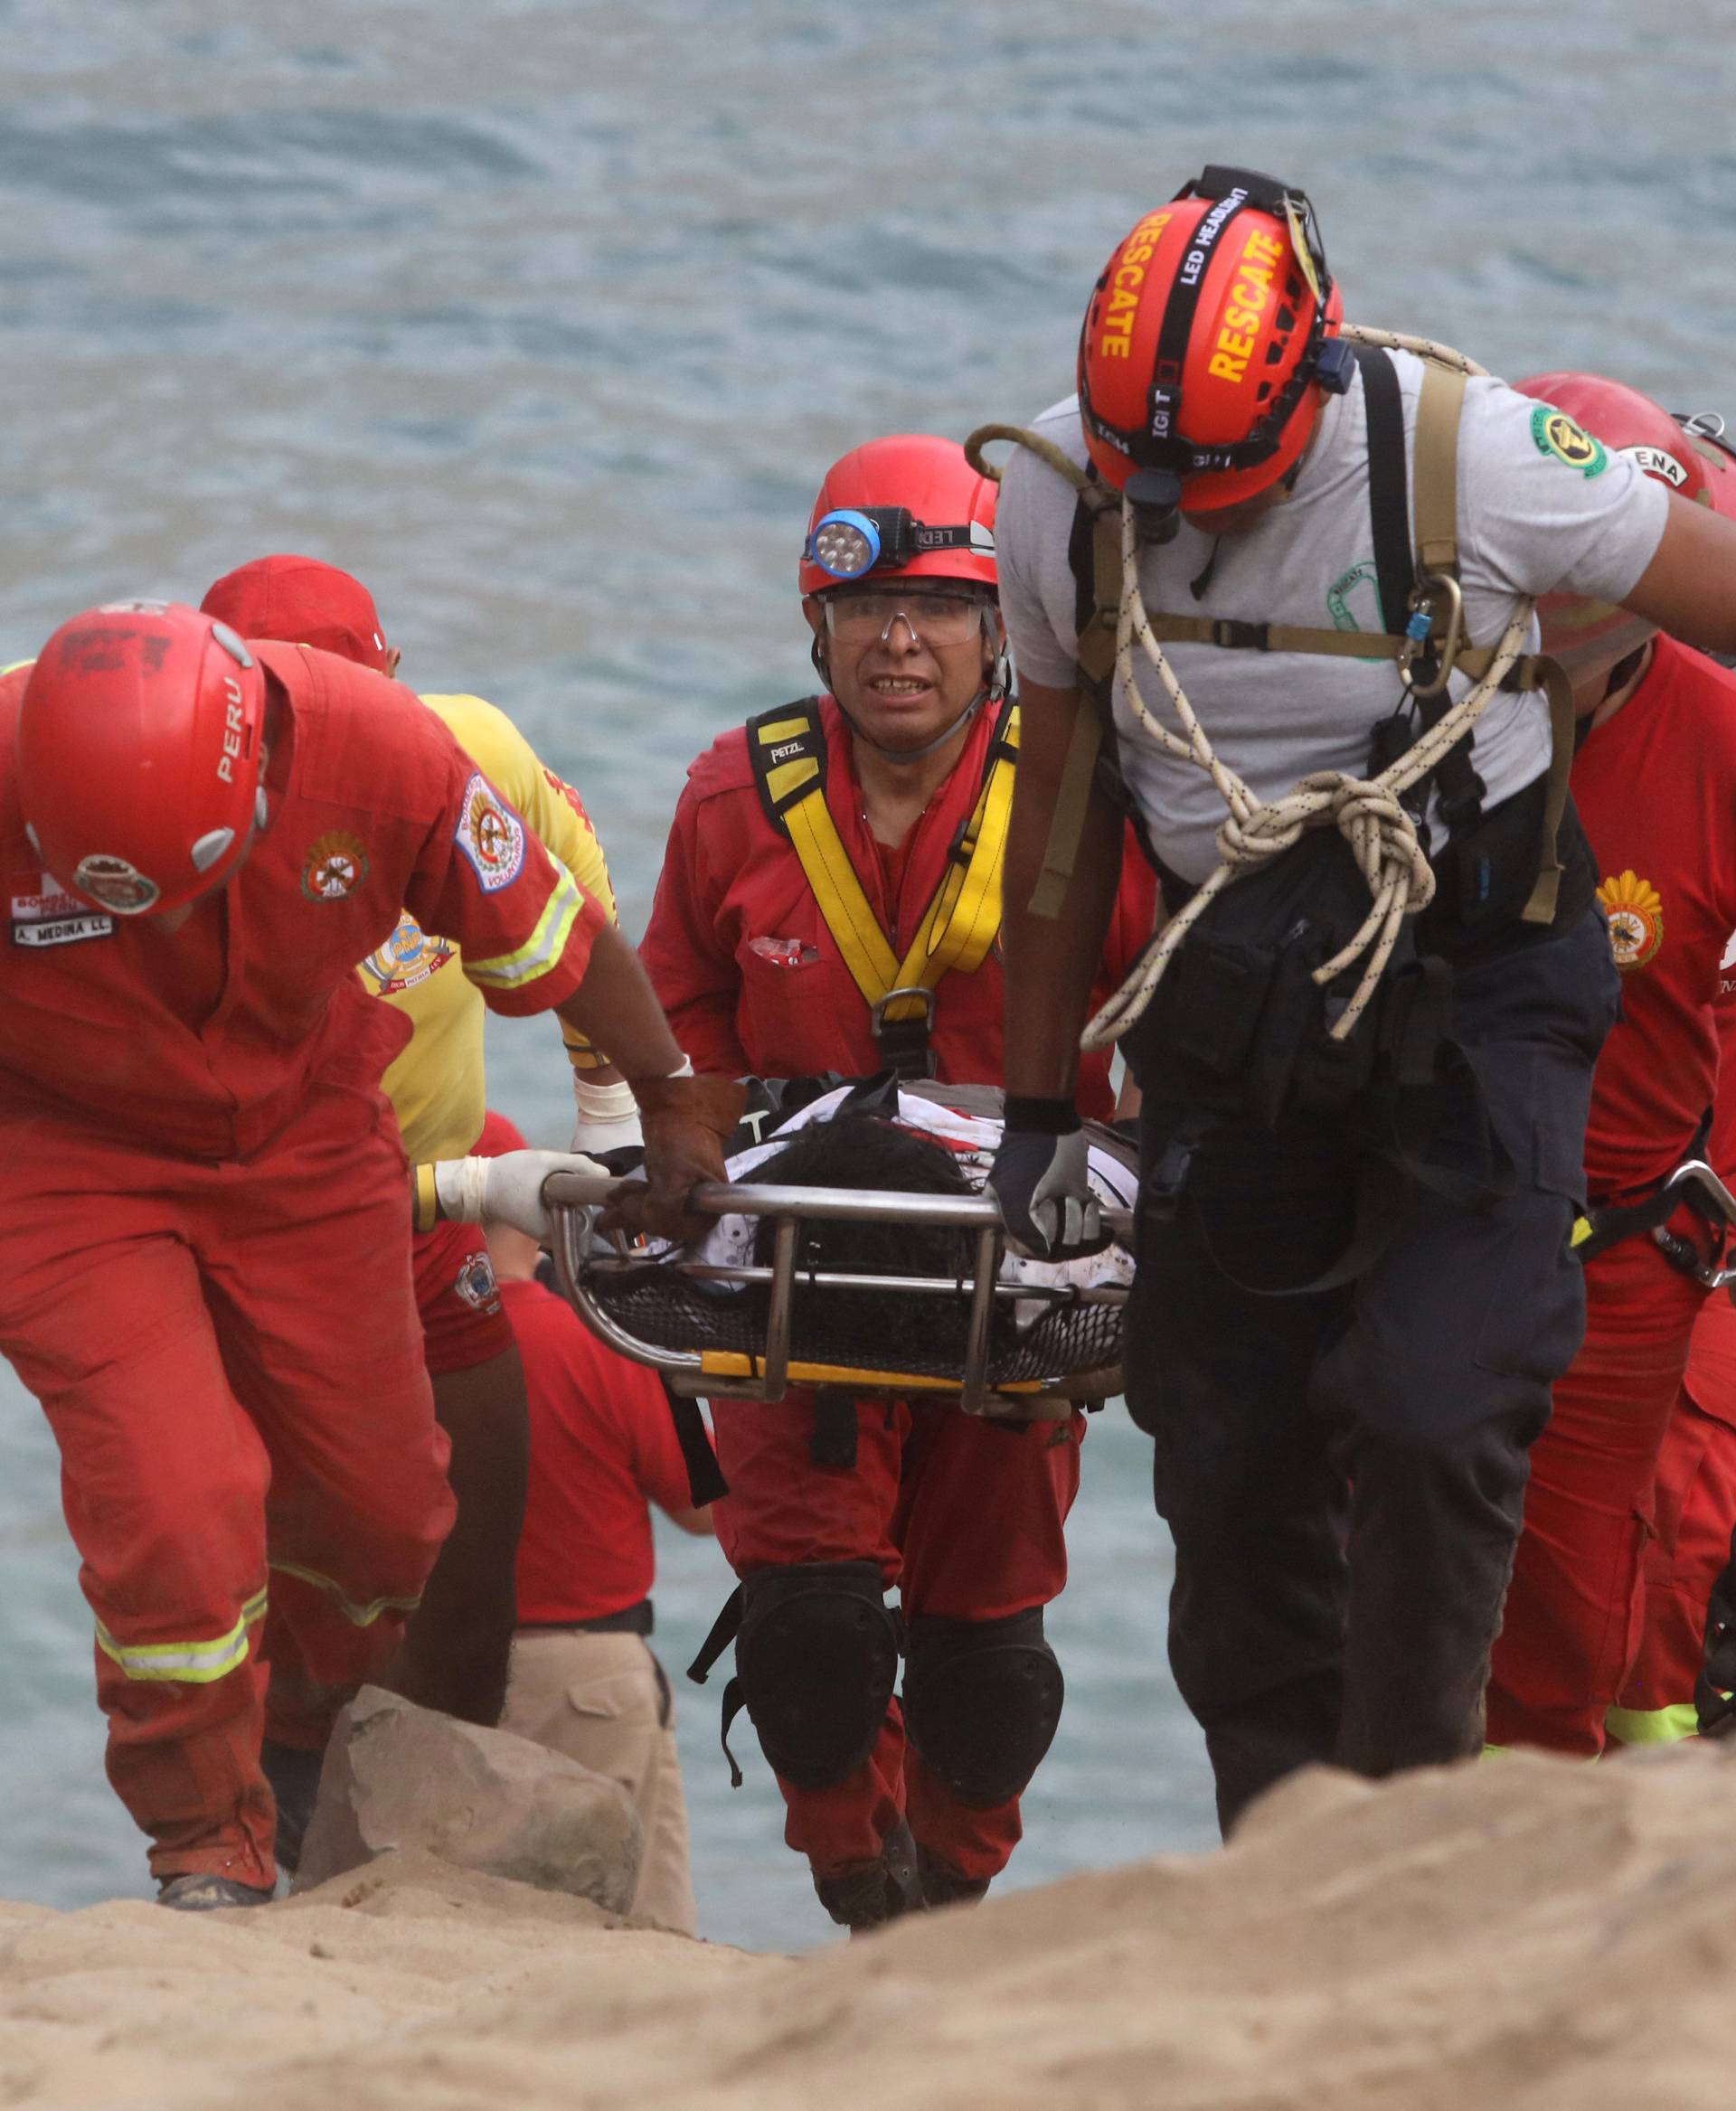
x=507, y=1189
x=609, y=1116
x=1041, y=1181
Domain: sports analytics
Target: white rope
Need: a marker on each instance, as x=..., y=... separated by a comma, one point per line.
x=1368, y=812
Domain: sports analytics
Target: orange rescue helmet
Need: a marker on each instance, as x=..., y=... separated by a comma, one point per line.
x=1210, y=344
x=140, y=734
x=909, y=506
x=1588, y=635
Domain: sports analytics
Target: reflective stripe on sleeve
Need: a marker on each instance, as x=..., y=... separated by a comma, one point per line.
x=355, y=1613
x=193, y=1663
x=1653, y=1726
x=541, y=951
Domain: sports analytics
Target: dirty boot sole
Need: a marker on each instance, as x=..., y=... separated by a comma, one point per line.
x=198, y=1893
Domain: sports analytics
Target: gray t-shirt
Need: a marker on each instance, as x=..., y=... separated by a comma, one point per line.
x=1530, y=521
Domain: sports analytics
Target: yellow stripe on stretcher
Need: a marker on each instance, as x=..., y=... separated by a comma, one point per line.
x=732, y=1363
x=961, y=921
x=191, y=1663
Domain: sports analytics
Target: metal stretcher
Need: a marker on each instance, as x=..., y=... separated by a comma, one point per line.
x=737, y=1331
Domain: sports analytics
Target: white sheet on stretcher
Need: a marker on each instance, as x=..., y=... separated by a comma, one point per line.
x=973, y=1140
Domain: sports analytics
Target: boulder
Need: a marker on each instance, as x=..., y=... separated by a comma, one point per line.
x=398, y=1775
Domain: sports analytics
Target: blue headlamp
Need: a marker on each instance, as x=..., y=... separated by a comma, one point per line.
x=844, y=543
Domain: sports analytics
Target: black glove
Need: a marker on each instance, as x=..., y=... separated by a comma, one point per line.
x=1040, y=1179
x=1713, y=1694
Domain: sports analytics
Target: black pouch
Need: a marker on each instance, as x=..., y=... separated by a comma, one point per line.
x=1239, y=1009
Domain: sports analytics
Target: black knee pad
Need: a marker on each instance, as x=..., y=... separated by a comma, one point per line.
x=816, y=1658
x=982, y=1701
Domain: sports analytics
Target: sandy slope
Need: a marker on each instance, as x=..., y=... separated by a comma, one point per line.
x=1558, y=1938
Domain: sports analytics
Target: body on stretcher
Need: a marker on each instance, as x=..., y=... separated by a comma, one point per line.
x=1004, y=1335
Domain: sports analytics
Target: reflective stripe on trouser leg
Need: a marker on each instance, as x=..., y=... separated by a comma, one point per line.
x=194, y=1663
x=357, y=1614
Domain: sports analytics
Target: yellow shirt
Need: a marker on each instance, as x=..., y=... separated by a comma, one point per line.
x=438, y=1086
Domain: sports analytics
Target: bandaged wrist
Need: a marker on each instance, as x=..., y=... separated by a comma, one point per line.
x=1040, y=1117
x=460, y=1187
x=600, y=1103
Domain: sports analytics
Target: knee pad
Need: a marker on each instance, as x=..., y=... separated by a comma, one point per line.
x=982, y=1701
x=816, y=1658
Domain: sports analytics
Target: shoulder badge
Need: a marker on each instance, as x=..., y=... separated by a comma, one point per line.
x=1555, y=433
x=491, y=835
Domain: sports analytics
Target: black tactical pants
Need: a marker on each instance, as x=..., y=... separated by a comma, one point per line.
x=1343, y=1471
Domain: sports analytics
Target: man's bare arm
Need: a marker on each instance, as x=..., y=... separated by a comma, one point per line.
x=1689, y=587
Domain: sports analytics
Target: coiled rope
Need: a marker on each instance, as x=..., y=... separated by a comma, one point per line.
x=1368, y=812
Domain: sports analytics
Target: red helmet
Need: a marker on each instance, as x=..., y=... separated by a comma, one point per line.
x=1201, y=360
x=1582, y=634
x=139, y=737
x=906, y=508
x=301, y=601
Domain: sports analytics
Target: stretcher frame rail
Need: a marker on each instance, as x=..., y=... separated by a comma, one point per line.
x=584, y=1261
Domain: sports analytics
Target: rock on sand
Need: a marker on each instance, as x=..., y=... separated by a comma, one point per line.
x=1525, y=1934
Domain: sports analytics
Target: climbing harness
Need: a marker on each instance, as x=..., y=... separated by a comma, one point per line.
x=788, y=748
x=1369, y=813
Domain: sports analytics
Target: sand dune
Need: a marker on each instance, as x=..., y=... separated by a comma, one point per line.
x=1520, y=1934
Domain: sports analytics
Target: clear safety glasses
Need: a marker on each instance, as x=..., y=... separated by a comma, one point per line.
x=866, y=616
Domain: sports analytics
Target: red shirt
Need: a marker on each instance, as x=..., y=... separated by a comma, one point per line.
x=749, y=974
x=1657, y=789
x=602, y=1442
x=374, y=809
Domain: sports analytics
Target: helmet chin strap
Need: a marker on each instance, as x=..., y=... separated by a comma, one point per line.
x=992, y=692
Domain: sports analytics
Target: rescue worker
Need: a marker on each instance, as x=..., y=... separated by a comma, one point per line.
x=827, y=855
x=457, y=1643
x=1655, y=778
x=1692, y=1510
x=1354, y=1284
x=204, y=1270
x=603, y=1447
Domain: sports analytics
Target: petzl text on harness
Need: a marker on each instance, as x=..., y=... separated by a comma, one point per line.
x=788, y=748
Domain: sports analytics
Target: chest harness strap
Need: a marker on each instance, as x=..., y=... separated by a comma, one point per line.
x=1371, y=813
x=787, y=748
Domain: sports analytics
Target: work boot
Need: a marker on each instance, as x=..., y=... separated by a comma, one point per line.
x=879, y=1891
x=943, y=1885
x=294, y=1774
x=200, y=1892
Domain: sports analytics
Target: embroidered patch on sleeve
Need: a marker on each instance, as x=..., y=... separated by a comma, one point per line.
x=1555, y=433
x=491, y=835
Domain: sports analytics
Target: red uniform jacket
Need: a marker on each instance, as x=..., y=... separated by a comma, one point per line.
x=601, y=1443
x=749, y=974
x=1657, y=789
x=374, y=809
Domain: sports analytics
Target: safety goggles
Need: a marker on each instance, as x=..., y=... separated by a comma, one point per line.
x=864, y=616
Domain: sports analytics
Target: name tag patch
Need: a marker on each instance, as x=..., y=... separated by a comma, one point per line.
x=44, y=915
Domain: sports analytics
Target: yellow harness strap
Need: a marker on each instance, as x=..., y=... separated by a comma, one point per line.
x=788, y=748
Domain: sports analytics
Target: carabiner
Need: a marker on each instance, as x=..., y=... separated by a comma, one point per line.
x=1418, y=632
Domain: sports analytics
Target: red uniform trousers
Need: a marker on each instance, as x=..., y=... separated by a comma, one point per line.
x=1695, y=1515
x=229, y=1354
x=964, y=1517
x=1572, y=1627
